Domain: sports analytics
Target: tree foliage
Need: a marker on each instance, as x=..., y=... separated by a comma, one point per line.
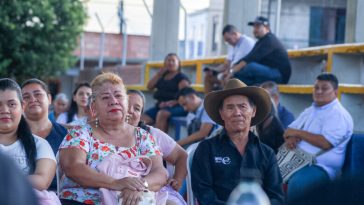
x=37, y=37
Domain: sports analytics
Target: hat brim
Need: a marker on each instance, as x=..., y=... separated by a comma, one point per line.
x=258, y=95
x=251, y=23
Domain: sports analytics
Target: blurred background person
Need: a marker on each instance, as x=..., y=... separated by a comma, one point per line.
x=167, y=81
x=201, y=125
x=285, y=116
x=239, y=46
x=60, y=105
x=79, y=101
x=268, y=60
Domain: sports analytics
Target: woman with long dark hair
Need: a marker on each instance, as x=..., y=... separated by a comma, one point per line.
x=76, y=111
x=31, y=153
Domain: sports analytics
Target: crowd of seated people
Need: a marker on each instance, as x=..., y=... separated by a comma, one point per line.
x=106, y=120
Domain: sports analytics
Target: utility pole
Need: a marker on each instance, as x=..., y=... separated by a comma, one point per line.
x=102, y=42
x=185, y=30
x=123, y=32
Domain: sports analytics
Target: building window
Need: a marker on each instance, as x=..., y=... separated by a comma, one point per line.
x=214, y=32
x=327, y=26
x=192, y=49
x=199, y=48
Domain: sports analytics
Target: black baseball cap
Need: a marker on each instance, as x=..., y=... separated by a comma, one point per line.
x=259, y=20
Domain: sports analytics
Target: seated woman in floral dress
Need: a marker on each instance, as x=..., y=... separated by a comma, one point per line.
x=84, y=147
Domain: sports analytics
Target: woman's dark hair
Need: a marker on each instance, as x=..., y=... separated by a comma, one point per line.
x=137, y=92
x=175, y=55
x=73, y=107
x=36, y=81
x=24, y=134
x=144, y=126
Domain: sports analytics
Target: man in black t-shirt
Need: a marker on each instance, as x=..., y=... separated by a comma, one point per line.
x=268, y=61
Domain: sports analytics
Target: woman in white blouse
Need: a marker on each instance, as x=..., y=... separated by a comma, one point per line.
x=31, y=153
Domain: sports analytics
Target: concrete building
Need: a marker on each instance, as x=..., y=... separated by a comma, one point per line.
x=300, y=24
x=307, y=23
x=137, y=55
x=204, y=31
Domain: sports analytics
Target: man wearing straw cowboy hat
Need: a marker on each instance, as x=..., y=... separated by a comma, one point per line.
x=217, y=161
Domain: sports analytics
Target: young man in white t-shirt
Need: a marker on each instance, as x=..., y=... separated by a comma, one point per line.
x=239, y=46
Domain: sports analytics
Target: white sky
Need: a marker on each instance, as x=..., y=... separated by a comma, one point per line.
x=138, y=20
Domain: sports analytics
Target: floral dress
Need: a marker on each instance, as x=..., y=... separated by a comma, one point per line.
x=82, y=138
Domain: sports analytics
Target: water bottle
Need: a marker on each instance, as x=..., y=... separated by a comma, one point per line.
x=248, y=191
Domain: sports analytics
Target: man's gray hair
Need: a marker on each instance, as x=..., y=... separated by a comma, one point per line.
x=271, y=87
x=61, y=96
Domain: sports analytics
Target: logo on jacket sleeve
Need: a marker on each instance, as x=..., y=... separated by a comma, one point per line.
x=222, y=160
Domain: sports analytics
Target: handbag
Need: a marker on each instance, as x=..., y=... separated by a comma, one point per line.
x=47, y=197
x=119, y=167
x=290, y=161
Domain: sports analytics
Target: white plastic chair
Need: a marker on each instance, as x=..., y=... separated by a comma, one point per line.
x=59, y=174
x=190, y=151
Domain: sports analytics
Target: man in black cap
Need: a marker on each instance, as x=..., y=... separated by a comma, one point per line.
x=268, y=61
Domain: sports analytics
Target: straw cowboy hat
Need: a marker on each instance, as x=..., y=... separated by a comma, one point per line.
x=258, y=95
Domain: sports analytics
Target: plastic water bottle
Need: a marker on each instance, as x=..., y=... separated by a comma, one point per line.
x=248, y=191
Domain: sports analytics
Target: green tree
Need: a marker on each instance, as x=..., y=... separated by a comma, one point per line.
x=37, y=37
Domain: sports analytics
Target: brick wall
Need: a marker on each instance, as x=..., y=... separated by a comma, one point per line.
x=138, y=46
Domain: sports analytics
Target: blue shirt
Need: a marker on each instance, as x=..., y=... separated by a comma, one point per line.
x=51, y=116
x=56, y=136
x=285, y=116
x=334, y=123
x=55, y=139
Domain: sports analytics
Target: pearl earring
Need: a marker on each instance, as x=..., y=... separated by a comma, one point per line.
x=97, y=122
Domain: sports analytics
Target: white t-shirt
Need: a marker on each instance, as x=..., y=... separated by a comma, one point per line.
x=241, y=49
x=62, y=119
x=16, y=151
x=164, y=141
